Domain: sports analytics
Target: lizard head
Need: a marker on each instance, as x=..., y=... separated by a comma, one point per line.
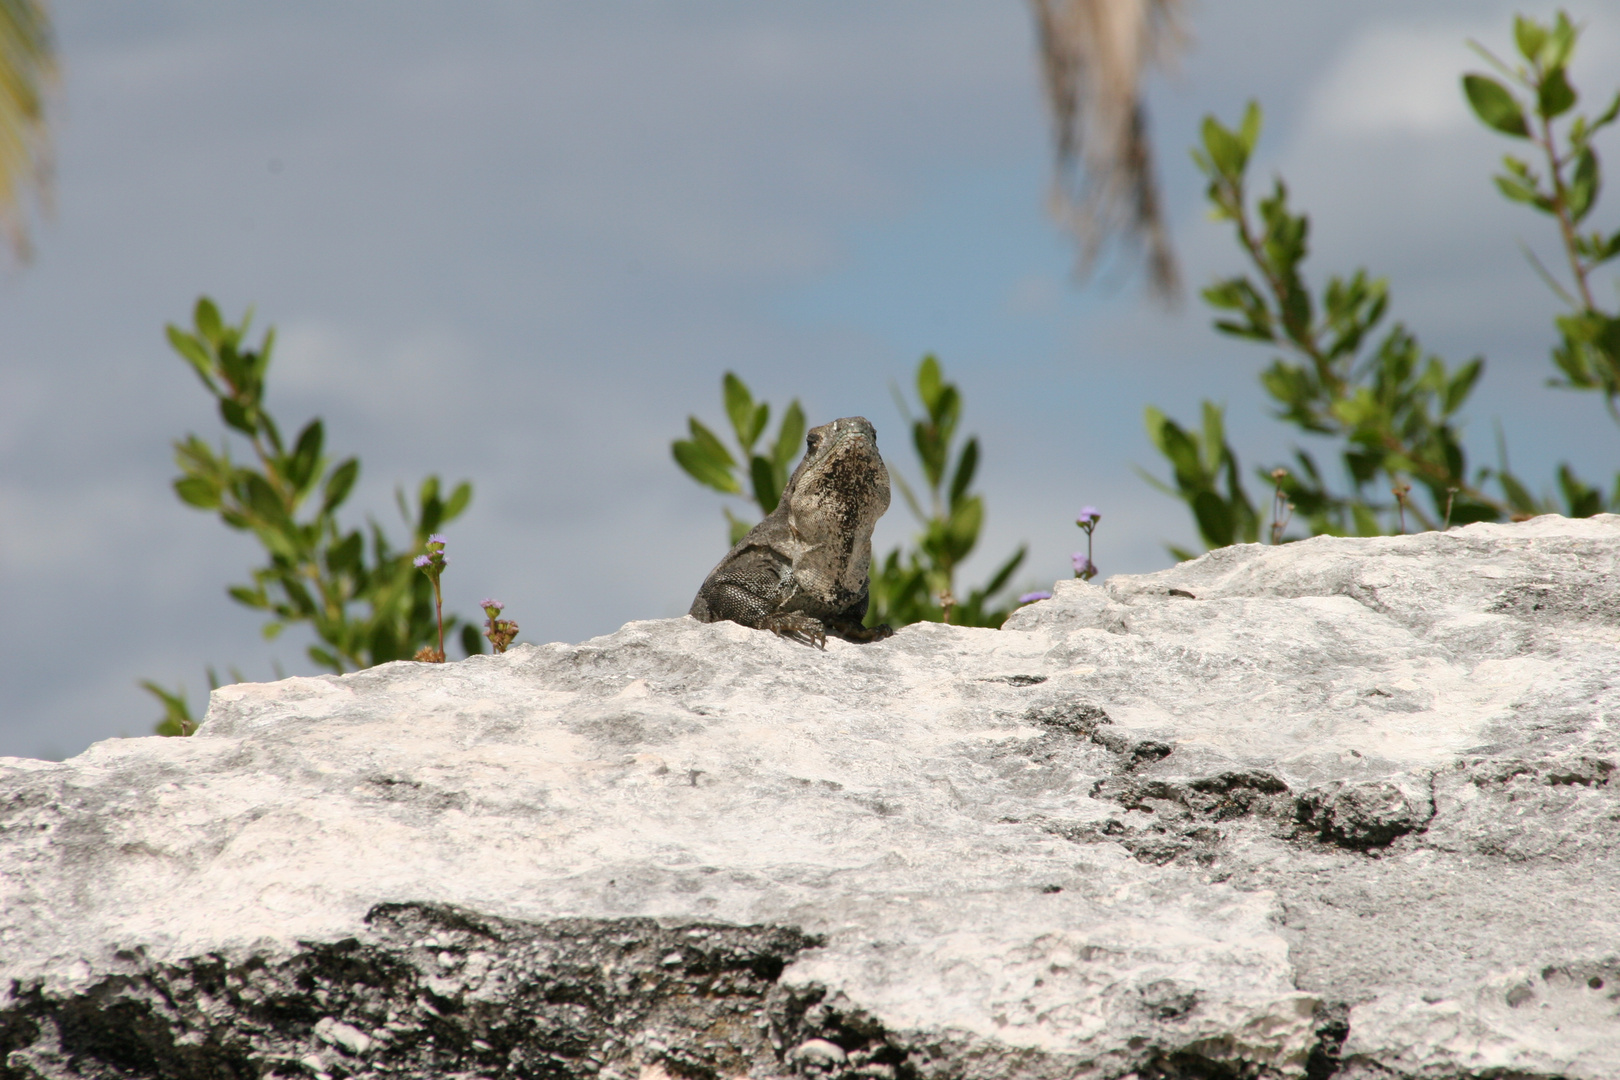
x=834, y=499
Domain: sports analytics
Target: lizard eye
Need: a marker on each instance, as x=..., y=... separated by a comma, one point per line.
x=812, y=441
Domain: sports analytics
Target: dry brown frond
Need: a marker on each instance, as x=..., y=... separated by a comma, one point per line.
x=1093, y=57
x=27, y=71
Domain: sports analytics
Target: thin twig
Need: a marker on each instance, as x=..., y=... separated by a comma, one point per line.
x=1546, y=276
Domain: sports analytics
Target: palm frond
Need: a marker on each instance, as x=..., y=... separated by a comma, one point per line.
x=27, y=73
x=1094, y=54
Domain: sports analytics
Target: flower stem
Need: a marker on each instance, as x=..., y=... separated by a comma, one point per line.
x=438, y=608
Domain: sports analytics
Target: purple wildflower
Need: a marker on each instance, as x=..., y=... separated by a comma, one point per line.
x=1031, y=597
x=436, y=538
x=1088, y=516
x=1083, y=566
x=420, y=562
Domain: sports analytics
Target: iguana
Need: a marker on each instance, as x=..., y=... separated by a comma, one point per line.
x=803, y=571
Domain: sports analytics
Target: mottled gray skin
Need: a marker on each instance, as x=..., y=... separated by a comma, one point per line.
x=803, y=572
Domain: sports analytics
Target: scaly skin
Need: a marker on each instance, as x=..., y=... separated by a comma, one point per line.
x=803, y=572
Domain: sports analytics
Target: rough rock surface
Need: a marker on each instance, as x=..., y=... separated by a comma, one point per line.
x=1341, y=808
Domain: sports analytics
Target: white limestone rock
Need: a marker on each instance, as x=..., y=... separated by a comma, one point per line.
x=1338, y=808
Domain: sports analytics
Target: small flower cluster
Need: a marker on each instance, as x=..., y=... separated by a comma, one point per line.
x=432, y=564
x=1084, y=568
x=499, y=631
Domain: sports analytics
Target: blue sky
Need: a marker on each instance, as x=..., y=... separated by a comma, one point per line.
x=520, y=243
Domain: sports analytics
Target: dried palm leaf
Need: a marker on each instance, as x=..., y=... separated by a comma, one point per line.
x=27, y=69
x=1094, y=54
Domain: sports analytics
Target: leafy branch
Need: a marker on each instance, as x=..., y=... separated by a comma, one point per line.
x=1392, y=406
x=707, y=460
x=1588, y=352
x=920, y=584
x=364, y=606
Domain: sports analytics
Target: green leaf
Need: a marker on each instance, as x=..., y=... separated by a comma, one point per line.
x=306, y=454
x=1560, y=44
x=1555, y=96
x=966, y=464
x=253, y=598
x=789, y=437
x=1582, y=500
x=345, y=555
x=1226, y=295
x=1225, y=149
x=1249, y=131
x=1175, y=445
x=710, y=443
x=766, y=492
x=930, y=382
x=1518, y=191
x=267, y=425
x=946, y=411
x=740, y=408
x=931, y=451
x=999, y=579
x=427, y=497
x=1530, y=36
x=263, y=500
x=1213, y=448
x=1519, y=167
x=700, y=463
x=339, y=482
x=1495, y=106
x=1583, y=185
x=430, y=514
x=1216, y=521
x=198, y=491
x=298, y=597
x=194, y=353
x=1608, y=116
x=209, y=324
x=963, y=525
x=459, y=498
x=761, y=420
x=1462, y=384
x=1518, y=497
x=234, y=415
x=265, y=346
x=177, y=719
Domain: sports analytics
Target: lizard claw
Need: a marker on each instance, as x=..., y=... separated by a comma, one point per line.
x=798, y=626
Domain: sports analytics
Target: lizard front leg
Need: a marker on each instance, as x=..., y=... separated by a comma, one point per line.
x=849, y=624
